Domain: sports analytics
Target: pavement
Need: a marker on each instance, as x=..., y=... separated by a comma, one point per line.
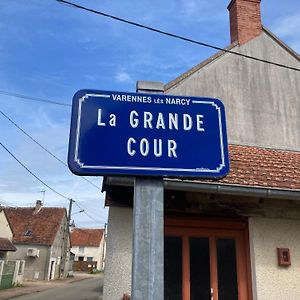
x=35, y=286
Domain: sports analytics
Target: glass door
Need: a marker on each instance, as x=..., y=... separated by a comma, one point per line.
x=206, y=263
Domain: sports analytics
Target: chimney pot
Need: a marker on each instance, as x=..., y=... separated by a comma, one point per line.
x=38, y=206
x=245, y=20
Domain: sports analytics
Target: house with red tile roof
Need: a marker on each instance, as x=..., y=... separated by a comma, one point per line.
x=88, y=245
x=237, y=237
x=41, y=236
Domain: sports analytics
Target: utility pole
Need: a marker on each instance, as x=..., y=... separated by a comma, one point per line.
x=70, y=211
x=103, y=248
x=43, y=192
x=65, y=238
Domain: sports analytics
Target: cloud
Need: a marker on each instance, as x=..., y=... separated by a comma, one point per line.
x=123, y=77
x=287, y=28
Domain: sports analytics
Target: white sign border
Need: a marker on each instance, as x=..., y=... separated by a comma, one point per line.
x=196, y=170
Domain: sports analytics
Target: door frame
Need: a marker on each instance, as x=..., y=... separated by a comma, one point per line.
x=214, y=227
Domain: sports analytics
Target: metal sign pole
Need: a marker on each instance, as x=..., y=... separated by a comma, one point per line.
x=153, y=133
x=148, y=236
x=148, y=230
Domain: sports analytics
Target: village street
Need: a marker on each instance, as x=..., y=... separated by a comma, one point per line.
x=87, y=289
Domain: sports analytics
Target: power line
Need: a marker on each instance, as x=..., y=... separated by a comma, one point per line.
x=45, y=149
x=86, y=213
x=33, y=98
x=94, y=214
x=45, y=184
x=177, y=36
x=6, y=203
x=35, y=176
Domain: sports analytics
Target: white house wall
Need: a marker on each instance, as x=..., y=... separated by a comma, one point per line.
x=5, y=231
x=270, y=280
x=262, y=109
x=117, y=274
x=88, y=251
x=261, y=101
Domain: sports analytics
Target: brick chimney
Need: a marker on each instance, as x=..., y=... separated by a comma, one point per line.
x=245, y=20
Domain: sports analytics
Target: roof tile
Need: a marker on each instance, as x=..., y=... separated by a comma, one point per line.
x=43, y=225
x=86, y=237
x=255, y=166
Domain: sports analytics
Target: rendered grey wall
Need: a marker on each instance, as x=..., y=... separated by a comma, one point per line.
x=262, y=102
x=33, y=265
x=117, y=274
x=270, y=280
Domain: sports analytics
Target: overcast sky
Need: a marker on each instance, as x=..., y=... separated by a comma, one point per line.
x=50, y=50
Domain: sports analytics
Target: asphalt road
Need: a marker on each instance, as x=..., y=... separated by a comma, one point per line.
x=88, y=289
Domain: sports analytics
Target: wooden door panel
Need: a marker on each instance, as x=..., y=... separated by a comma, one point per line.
x=214, y=230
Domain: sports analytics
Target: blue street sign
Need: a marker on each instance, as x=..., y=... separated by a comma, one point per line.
x=122, y=133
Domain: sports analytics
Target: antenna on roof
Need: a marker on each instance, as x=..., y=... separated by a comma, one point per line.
x=43, y=196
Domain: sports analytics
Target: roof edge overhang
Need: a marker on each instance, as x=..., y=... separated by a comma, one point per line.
x=199, y=66
x=220, y=53
x=281, y=43
x=31, y=244
x=214, y=188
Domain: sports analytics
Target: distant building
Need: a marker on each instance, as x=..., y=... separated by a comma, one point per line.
x=88, y=245
x=41, y=236
x=237, y=238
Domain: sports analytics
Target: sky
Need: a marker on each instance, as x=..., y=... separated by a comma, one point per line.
x=50, y=50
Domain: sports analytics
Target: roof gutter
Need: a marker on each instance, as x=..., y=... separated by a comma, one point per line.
x=214, y=188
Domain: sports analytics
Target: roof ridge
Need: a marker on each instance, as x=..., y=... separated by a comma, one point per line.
x=281, y=43
x=198, y=66
x=212, y=58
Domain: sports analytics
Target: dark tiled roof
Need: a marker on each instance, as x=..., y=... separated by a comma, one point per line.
x=261, y=167
x=41, y=227
x=86, y=237
x=6, y=245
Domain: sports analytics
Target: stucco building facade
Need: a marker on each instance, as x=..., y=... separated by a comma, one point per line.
x=240, y=221
x=41, y=236
x=88, y=245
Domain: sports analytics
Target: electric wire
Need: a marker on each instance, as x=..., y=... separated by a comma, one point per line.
x=44, y=183
x=34, y=175
x=94, y=215
x=6, y=203
x=47, y=185
x=86, y=213
x=45, y=149
x=176, y=36
x=33, y=98
x=91, y=217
